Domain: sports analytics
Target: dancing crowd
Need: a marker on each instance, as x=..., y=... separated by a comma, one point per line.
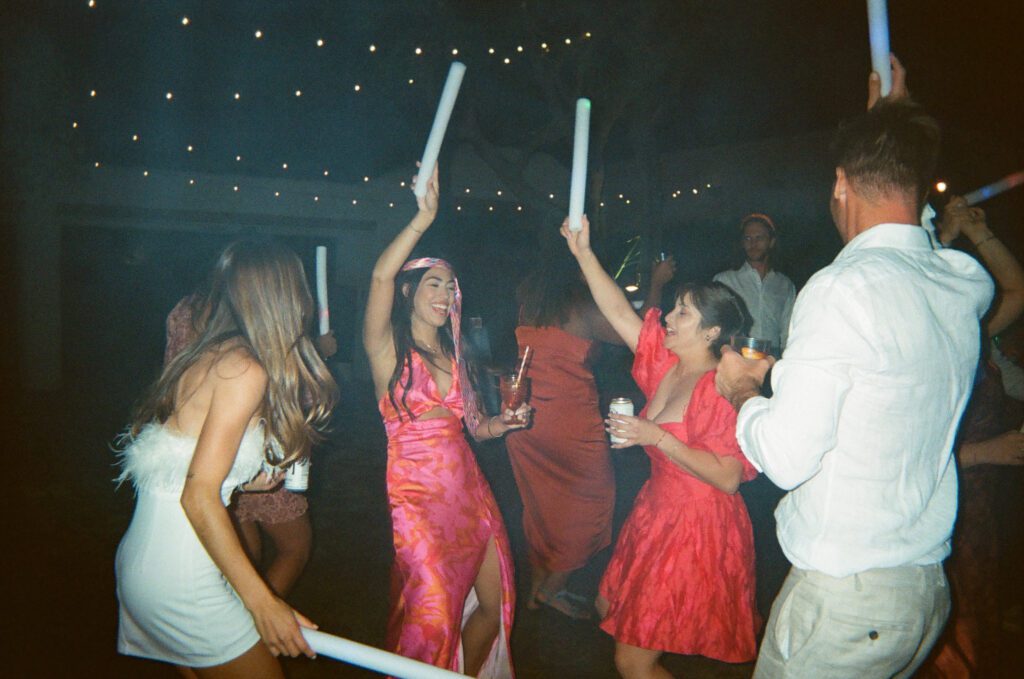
x=857, y=413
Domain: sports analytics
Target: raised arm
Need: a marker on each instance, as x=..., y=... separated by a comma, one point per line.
x=610, y=298
x=959, y=219
x=377, y=340
x=237, y=395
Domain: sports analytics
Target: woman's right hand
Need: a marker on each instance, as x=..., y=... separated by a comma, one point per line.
x=579, y=241
x=428, y=203
x=279, y=625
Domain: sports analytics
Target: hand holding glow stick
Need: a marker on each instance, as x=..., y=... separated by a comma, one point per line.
x=444, y=113
x=878, y=35
x=373, y=658
x=995, y=188
x=580, y=146
x=323, y=313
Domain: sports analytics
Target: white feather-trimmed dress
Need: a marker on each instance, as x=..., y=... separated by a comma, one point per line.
x=175, y=604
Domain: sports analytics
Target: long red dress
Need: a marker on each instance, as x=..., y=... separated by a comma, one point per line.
x=443, y=515
x=561, y=463
x=681, y=579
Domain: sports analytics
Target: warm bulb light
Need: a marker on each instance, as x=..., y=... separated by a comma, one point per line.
x=519, y=48
x=92, y=3
x=568, y=41
x=391, y=204
x=184, y=21
x=96, y=164
x=694, y=191
x=326, y=173
x=298, y=93
x=191, y=182
x=320, y=42
x=587, y=34
x=316, y=199
x=373, y=48
x=169, y=96
x=366, y=179
x=490, y=50
x=632, y=287
x=284, y=166
x=543, y=45
x=455, y=52
x=490, y=208
x=258, y=34
x=551, y=196
x=135, y=137
x=277, y=194
x=498, y=192
x=419, y=51
x=507, y=60
x=235, y=188
x=357, y=87
x=467, y=190
x=411, y=81
x=92, y=93
x=189, y=148
x=519, y=208
x=941, y=187
x=145, y=173
x=74, y=125
x=354, y=201
x=238, y=95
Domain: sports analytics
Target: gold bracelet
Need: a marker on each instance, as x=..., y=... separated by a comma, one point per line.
x=984, y=240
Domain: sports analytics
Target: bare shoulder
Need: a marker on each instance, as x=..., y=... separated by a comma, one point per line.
x=237, y=368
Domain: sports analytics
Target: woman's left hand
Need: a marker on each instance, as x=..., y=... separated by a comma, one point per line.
x=637, y=431
x=516, y=419
x=263, y=482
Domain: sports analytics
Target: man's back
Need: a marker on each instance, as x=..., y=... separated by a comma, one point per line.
x=878, y=370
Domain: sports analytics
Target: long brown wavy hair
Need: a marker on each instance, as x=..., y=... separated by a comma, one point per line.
x=259, y=298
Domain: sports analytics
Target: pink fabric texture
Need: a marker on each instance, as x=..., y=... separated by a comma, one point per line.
x=682, y=576
x=443, y=516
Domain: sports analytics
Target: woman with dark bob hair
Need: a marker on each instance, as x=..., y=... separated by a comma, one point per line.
x=452, y=585
x=228, y=402
x=681, y=579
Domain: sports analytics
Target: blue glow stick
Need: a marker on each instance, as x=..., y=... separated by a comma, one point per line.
x=373, y=658
x=878, y=34
x=995, y=188
x=580, y=148
x=444, y=112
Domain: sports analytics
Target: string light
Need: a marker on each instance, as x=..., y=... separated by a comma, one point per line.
x=455, y=52
x=184, y=21
x=277, y=194
x=298, y=93
x=326, y=173
x=169, y=96
x=145, y=173
x=357, y=87
x=490, y=50
x=238, y=95
x=235, y=187
x=499, y=192
x=189, y=148
x=411, y=81
x=284, y=166
x=941, y=187
x=259, y=35
x=490, y=208
x=568, y=41
x=191, y=182
x=238, y=159
x=92, y=93
x=544, y=46
x=391, y=204
x=366, y=179
x=587, y=35
x=74, y=124
x=96, y=164
x=708, y=185
x=467, y=190
x=354, y=201
x=419, y=51
x=373, y=48
x=507, y=60
x=551, y=196
x=519, y=48
x=92, y=4
x=695, y=192
x=135, y=137
x=316, y=199
x=519, y=208
x=320, y=42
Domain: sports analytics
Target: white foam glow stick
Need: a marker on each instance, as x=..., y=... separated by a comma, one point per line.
x=323, y=313
x=995, y=188
x=373, y=658
x=878, y=34
x=444, y=113
x=580, y=147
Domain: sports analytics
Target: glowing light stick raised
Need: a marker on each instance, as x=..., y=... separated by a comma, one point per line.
x=878, y=34
x=580, y=146
x=323, y=313
x=444, y=113
x=373, y=658
x=995, y=188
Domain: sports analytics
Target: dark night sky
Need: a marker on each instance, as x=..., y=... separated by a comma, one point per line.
x=745, y=70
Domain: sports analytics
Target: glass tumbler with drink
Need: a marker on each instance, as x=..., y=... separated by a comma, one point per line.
x=751, y=347
x=515, y=391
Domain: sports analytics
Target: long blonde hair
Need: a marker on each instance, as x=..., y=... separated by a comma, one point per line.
x=259, y=297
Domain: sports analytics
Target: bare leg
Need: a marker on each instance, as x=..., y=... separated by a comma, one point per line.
x=256, y=663
x=481, y=629
x=249, y=533
x=292, y=543
x=634, y=662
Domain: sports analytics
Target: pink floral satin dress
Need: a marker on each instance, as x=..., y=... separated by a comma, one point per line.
x=443, y=516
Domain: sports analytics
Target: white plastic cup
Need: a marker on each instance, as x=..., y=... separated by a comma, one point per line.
x=296, y=479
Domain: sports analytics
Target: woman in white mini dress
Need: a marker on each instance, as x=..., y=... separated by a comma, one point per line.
x=188, y=593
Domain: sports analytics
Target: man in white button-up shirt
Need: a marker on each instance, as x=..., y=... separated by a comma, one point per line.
x=767, y=293
x=883, y=348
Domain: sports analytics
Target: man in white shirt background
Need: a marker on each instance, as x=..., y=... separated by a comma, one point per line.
x=767, y=293
x=882, y=352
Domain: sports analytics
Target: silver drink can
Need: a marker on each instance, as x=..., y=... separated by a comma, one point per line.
x=296, y=479
x=620, y=406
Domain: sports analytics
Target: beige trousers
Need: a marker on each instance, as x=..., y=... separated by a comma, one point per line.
x=879, y=623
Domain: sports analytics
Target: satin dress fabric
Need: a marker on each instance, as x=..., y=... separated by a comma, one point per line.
x=443, y=517
x=562, y=463
x=681, y=579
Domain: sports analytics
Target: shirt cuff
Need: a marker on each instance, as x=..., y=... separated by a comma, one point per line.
x=749, y=412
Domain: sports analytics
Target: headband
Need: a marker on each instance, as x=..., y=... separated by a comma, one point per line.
x=758, y=217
